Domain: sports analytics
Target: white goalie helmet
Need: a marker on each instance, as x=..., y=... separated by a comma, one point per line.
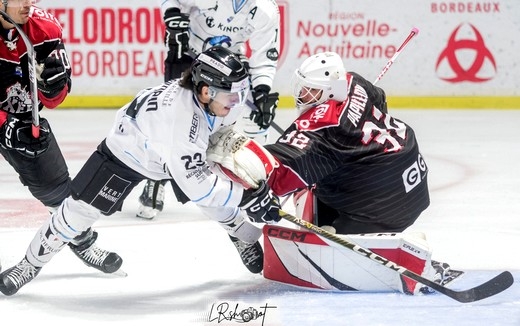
x=319, y=78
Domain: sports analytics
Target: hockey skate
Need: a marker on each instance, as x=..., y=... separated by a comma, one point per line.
x=17, y=276
x=444, y=275
x=251, y=254
x=151, y=201
x=85, y=248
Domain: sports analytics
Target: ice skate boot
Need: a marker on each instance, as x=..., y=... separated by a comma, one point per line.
x=251, y=254
x=444, y=275
x=17, y=276
x=151, y=201
x=85, y=248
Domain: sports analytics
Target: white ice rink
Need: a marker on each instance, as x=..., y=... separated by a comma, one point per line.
x=179, y=265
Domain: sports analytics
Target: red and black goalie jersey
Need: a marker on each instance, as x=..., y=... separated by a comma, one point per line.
x=362, y=162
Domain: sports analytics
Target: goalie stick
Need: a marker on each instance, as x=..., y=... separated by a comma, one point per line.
x=31, y=62
x=390, y=62
x=494, y=286
x=413, y=32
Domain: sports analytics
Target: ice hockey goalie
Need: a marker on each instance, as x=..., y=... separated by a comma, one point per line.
x=303, y=259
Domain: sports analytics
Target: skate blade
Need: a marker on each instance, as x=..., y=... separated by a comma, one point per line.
x=119, y=273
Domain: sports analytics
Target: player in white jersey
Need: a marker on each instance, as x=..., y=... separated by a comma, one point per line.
x=195, y=25
x=162, y=134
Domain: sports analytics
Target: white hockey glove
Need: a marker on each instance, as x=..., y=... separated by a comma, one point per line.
x=244, y=157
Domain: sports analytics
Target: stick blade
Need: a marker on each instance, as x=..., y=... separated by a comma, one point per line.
x=494, y=286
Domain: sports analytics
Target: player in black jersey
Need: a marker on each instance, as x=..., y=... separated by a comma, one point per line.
x=360, y=167
x=38, y=162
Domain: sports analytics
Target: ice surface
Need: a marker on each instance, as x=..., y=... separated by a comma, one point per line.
x=182, y=268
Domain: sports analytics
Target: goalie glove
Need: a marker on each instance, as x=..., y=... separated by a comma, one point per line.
x=176, y=35
x=245, y=158
x=260, y=204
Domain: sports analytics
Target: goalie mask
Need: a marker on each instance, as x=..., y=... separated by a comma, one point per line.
x=225, y=75
x=320, y=77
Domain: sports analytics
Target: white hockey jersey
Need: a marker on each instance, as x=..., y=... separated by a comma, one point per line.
x=164, y=133
x=232, y=23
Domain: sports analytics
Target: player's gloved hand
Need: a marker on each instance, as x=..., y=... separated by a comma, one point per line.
x=266, y=104
x=52, y=77
x=177, y=35
x=16, y=134
x=260, y=204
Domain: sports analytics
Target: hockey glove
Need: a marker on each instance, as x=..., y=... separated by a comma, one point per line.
x=266, y=104
x=177, y=36
x=17, y=135
x=260, y=204
x=52, y=77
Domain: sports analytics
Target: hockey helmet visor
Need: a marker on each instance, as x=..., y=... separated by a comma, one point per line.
x=234, y=97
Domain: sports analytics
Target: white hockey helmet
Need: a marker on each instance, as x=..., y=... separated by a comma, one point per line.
x=321, y=77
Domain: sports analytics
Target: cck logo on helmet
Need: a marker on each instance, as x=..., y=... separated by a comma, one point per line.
x=478, y=65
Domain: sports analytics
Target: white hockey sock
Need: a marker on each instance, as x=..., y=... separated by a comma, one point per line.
x=232, y=220
x=241, y=228
x=70, y=220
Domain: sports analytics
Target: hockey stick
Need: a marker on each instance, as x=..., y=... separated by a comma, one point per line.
x=494, y=286
x=413, y=32
x=31, y=62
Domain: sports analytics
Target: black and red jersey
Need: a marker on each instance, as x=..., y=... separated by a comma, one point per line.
x=360, y=160
x=45, y=33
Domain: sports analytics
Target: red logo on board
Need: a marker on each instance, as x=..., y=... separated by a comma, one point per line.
x=466, y=59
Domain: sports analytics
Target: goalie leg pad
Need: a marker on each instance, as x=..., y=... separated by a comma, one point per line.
x=304, y=204
x=304, y=259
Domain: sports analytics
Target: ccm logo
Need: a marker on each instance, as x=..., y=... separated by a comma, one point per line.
x=413, y=175
x=174, y=23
